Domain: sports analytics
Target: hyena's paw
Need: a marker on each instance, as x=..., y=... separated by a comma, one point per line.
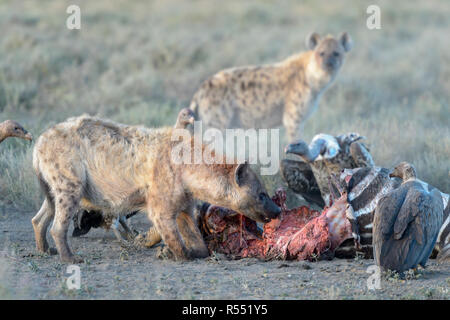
x=164, y=253
x=74, y=259
x=51, y=251
x=47, y=250
x=199, y=253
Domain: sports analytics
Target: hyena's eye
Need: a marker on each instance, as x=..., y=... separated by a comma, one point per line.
x=322, y=53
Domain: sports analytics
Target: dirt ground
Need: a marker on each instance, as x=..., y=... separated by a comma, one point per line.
x=114, y=272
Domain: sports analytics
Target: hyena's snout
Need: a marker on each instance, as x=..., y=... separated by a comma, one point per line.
x=270, y=209
x=333, y=62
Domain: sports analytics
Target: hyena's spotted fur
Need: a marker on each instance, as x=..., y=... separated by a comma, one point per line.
x=284, y=93
x=86, y=163
x=85, y=220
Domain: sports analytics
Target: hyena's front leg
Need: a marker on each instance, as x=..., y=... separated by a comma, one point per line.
x=292, y=123
x=192, y=236
x=66, y=205
x=166, y=223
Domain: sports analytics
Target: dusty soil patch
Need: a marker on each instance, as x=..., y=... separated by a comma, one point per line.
x=113, y=272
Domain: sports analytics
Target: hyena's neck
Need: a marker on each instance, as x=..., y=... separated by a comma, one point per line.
x=209, y=183
x=302, y=70
x=317, y=78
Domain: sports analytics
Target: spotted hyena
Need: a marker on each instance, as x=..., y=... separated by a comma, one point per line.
x=87, y=163
x=284, y=93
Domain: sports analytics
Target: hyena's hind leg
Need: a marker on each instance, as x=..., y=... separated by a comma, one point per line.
x=40, y=222
x=67, y=202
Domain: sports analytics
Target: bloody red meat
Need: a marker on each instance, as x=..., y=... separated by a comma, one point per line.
x=298, y=234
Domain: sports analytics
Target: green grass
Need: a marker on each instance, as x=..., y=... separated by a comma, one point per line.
x=139, y=62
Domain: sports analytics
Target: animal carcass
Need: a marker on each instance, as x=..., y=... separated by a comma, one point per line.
x=297, y=234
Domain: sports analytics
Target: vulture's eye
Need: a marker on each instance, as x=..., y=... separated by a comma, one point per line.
x=336, y=54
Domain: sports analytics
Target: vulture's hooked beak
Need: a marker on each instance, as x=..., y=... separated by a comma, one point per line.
x=393, y=174
x=358, y=138
x=298, y=148
x=288, y=149
x=28, y=136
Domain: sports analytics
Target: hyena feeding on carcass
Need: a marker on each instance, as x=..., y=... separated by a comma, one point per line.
x=86, y=163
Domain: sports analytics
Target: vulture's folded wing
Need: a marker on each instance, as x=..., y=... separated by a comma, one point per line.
x=433, y=216
x=388, y=208
x=297, y=175
x=361, y=155
x=384, y=246
x=412, y=211
x=300, y=178
x=418, y=224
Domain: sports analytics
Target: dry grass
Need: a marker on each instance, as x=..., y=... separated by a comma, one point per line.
x=140, y=61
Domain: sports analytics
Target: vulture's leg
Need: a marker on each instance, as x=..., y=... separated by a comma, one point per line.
x=120, y=236
x=129, y=234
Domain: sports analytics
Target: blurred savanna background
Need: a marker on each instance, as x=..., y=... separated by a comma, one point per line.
x=139, y=62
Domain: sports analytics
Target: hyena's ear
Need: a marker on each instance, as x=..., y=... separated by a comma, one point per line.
x=346, y=41
x=312, y=40
x=240, y=173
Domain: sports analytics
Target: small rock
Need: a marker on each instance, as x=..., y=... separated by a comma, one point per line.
x=283, y=265
x=305, y=266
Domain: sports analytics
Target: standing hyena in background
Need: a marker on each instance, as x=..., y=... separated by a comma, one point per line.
x=86, y=163
x=267, y=96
